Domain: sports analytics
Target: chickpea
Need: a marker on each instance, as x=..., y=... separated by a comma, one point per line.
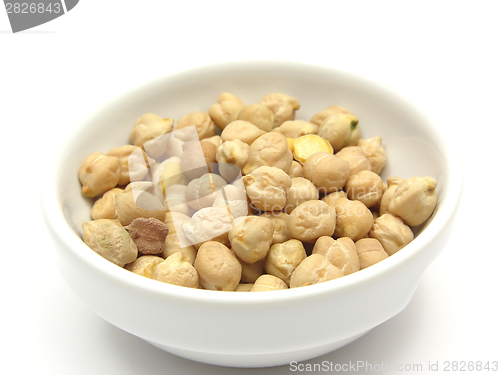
x=296, y=129
x=244, y=287
x=233, y=199
x=326, y=171
x=291, y=144
x=226, y=105
x=341, y=253
x=270, y=149
x=205, y=127
x=216, y=140
x=311, y=220
x=244, y=131
x=148, y=234
x=257, y=114
x=302, y=190
x=331, y=198
x=365, y=186
x=308, y=145
x=208, y=224
x=296, y=170
x=268, y=283
x=169, y=172
x=176, y=271
x=251, y=238
x=105, y=207
x=319, y=117
x=200, y=193
x=251, y=271
x=375, y=153
x=176, y=201
x=370, y=251
x=354, y=219
x=99, y=173
x=217, y=267
x=233, y=152
x=284, y=258
x=356, y=158
x=148, y=127
x=312, y=270
x=340, y=130
x=110, y=240
x=197, y=158
x=392, y=183
x=176, y=241
x=392, y=233
x=283, y=106
x=281, y=223
x=414, y=200
x=267, y=188
x=124, y=154
x=134, y=203
x=144, y=265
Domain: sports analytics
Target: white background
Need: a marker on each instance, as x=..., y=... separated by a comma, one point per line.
x=441, y=55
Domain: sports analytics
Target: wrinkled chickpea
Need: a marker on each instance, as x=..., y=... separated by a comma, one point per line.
x=217, y=266
x=222, y=111
x=127, y=155
x=176, y=201
x=216, y=140
x=205, y=127
x=375, y=153
x=312, y=270
x=144, y=265
x=283, y=107
x=311, y=220
x=243, y=131
x=105, y=207
x=308, y=145
x=99, y=173
x=326, y=171
x=354, y=219
x=233, y=199
x=331, y=198
x=208, y=224
x=365, y=186
x=302, y=190
x=391, y=232
x=251, y=238
x=319, y=117
x=268, y=283
x=200, y=192
x=340, y=130
x=296, y=129
x=176, y=241
x=341, y=253
x=267, y=188
x=356, y=157
x=284, y=258
x=230, y=153
x=392, y=183
x=370, y=251
x=251, y=271
x=197, y=158
x=148, y=127
x=281, y=224
x=244, y=287
x=145, y=205
x=174, y=270
x=169, y=172
x=270, y=149
x=257, y=114
x=296, y=170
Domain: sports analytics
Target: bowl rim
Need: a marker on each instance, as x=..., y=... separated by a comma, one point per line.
x=64, y=233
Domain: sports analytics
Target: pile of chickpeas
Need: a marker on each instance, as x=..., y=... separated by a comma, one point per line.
x=254, y=201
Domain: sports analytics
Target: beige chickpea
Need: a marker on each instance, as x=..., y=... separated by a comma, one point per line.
x=296, y=129
x=148, y=127
x=200, y=192
x=226, y=105
x=205, y=127
x=197, y=158
x=124, y=153
x=110, y=240
x=144, y=265
x=135, y=203
x=99, y=173
x=244, y=287
x=354, y=219
x=216, y=140
x=281, y=224
x=392, y=183
x=176, y=201
x=319, y=117
x=244, y=131
x=370, y=251
x=231, y=153
x=217, y=267
x=176, y=241
x=105, y=207
x=365, y=186
x=312, y=270
x=391, y=232
x=331, y=198
x=208, y=224
x=340, y=130
x=296, y=170
x=251, y=238
x=257, y=114
x=176, y=271
x=375, y=153
x=302, y=190
x=326, y=171
x=268, y=283
x=267, y=188
x=414, y=200
x=283, y=106
x=233, y=199
x=356, y=157
x=169, y=172
x=251, y=271
x=284, y=258
x=270, y=149
x=341, y=253
x=308, y=145
x=311, y=220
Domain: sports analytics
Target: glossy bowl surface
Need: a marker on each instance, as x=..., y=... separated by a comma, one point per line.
x=253, y=329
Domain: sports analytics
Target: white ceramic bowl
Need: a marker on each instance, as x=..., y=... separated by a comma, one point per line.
x=253, y=329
